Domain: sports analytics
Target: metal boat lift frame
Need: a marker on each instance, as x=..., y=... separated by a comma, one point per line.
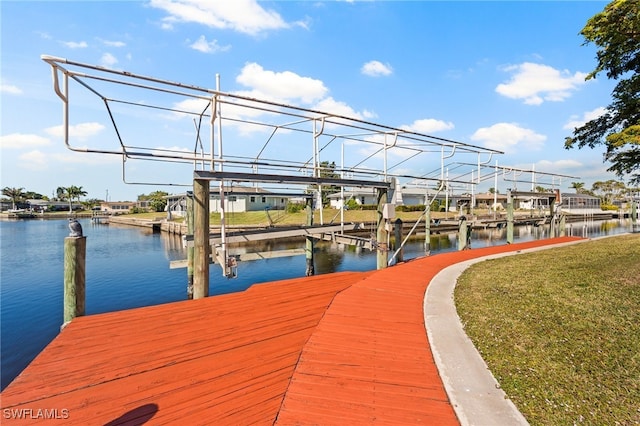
x=325, y=130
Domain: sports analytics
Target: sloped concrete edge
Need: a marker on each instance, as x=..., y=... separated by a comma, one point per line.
x=474, y=392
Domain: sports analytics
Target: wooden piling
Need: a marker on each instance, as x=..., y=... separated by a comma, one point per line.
x=381, y=234
x=201, y=247
x=310, y=270
x=509, y=218
x=463, y=236
x=75, y=249
x=427, y=231
x=398, y=240
x=190, y=250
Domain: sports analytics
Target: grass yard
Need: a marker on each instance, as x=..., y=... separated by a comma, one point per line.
x=560, y=330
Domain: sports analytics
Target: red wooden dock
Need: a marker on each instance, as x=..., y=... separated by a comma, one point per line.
x=343, y=348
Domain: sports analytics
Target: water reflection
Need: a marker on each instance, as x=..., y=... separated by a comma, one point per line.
x=332, y=257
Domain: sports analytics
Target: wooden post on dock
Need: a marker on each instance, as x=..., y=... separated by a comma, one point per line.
x=509, y=218
x=75, y=249
x=464, y=234
x=382, y=233
x=310, y=270
x=398, y=237
x=552, y=220
x=190, y=250
x=201, y=247
x=427, y=231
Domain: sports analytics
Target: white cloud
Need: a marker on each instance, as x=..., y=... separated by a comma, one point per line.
x=85, y=159
x=81, y=131
x=245, y=16
x=369, y=114
x=331, y=106
x=376, y=69
x=205, y=46
x=575, y=121
x=508, y=137
x=536, y=83
x=33, y=160
x=75, y=44
x=283, y=86
x=428, y=125
x=192, y=105
x=545, y=165
x=114, y=43
x=10, y=89
x=20, y=140
x=108, y=60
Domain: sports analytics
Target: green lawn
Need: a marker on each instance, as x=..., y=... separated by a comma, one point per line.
x=283, y=218
x=560, y=330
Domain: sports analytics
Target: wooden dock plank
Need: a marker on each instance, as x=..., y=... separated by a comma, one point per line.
x=344, y=348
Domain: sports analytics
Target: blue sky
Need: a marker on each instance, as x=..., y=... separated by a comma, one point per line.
x=502, y=75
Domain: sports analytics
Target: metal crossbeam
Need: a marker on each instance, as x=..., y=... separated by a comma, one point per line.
x=292, y=179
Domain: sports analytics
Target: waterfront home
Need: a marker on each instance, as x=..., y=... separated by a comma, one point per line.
x=572, y=203
x=238, y=199
x=117, y=207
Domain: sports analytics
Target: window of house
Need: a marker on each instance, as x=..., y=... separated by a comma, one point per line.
x=281, y=200
x=233, y=198
x=264, y=199
x=253, y=199
x=362, y=200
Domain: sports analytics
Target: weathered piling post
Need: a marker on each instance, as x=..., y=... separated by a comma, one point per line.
x=75, y=249
x=190, y=249
x=309, y=240
x=381, y=232
x=398, y=240
x=427, y=231
x=464, y=234
x=563, y=225
x=509, y=217
x=201, y=247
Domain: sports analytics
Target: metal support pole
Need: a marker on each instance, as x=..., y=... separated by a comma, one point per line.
x=201, y=247
x=382, y=233
x=75, y=249
x=309, y=241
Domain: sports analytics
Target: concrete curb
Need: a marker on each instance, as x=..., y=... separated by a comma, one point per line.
x=474, y=392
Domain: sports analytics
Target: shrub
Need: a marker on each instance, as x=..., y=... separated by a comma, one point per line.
x=352, y=204
x=294, y=207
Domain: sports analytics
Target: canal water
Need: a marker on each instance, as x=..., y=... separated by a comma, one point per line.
x=128, y=267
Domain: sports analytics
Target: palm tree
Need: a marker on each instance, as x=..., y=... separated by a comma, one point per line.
x=77, y=192
x=70, y=193
x=578, y=186
x=15, y=194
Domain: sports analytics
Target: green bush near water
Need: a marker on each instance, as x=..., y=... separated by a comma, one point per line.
x=560, y=330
